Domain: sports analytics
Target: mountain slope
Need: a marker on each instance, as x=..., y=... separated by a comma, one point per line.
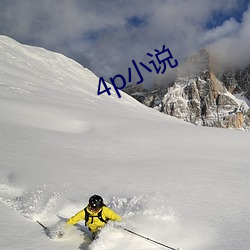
x=182, y=185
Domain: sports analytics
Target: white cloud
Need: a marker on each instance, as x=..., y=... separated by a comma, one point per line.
x=233, y=50
x=228, y=28
x=98, y=34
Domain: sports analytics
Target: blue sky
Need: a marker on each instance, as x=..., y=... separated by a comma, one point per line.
x=218, y=17
x=105, y=36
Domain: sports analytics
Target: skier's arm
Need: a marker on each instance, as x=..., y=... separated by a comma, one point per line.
x=110, y=214
x=77, y=217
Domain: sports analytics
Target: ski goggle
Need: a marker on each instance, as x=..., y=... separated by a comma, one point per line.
x=94, y=208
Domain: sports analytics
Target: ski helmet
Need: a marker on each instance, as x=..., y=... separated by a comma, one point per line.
x=95, y=202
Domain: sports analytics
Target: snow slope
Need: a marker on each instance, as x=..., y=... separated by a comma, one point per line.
x=176, y=183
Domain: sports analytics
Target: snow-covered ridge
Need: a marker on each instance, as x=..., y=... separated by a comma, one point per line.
x=33, y=74
x=35, y=66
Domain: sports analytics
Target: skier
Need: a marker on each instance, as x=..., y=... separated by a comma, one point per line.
x=95, y=214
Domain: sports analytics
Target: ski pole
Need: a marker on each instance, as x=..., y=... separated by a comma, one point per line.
x=146, y=238
x=45, y=228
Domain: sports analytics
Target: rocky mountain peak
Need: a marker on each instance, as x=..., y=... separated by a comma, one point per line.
x=197, y=64
x=200, y=96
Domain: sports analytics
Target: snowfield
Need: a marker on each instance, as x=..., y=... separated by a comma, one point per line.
x=182, y=185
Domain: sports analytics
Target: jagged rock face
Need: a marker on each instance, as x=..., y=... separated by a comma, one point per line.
x=197, y=96
x=205, y=103
x=237, y=81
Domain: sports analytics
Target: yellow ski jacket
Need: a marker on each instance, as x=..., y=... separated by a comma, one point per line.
x=94, y=223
